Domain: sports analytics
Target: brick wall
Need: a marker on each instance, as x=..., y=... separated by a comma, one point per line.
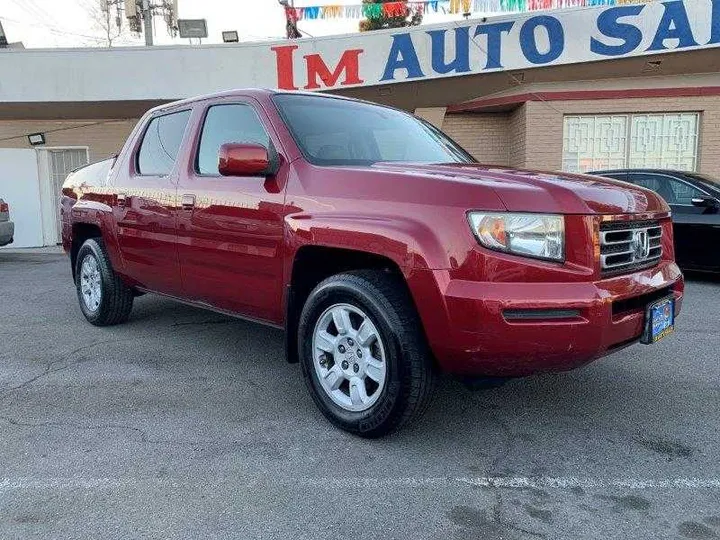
x=485, y=136
x=544, y=127
x=517, y=140
x=102, y=139
x=434, y=115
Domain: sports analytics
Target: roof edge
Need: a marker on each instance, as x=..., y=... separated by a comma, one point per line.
x=511, y=101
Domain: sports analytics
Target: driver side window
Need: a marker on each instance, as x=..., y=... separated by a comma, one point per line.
x=682, y=193
x=234, y=123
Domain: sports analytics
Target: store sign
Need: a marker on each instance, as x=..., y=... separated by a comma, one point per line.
x=381, y=57
x=508, y=43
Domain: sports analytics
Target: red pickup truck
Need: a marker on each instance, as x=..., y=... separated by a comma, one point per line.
x=379, y=245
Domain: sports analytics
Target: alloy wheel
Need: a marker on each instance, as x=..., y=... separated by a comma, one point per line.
x=90, y=283
x=349, y=357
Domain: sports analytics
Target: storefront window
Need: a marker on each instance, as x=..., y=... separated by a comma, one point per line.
x=667, y=141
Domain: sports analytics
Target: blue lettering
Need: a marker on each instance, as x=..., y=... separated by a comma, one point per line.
x=494, y=40
x=715, y=22
x=529, y=46
x=402, y=56
x=609, y=26
x=461, y=64
x=673, y=25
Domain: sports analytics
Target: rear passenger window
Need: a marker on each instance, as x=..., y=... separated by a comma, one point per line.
x=161, y=144
x=228, y=124
x=647, y=181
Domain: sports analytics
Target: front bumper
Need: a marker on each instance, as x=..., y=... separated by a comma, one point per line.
x=7, y=232
x=516, y=329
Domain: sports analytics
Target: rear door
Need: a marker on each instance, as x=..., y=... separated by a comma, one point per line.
x=146, y=205
x=692, y=229
x=231, y=228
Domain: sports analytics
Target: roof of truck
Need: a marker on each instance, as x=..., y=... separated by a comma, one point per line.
x=247, y=92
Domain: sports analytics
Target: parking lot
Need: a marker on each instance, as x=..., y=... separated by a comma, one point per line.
x=188, y=424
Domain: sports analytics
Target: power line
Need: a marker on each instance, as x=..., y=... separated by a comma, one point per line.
x=44, y=15
x=39, y=15
x=53, y=30
x=33, y=11
x=68, y=128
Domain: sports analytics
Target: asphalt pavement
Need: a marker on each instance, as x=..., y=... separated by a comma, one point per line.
x=188, y=424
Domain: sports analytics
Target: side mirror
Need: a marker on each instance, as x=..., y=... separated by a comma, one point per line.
x=236, y=159
x=705, y=202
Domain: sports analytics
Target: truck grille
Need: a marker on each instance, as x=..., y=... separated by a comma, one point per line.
x=629, y=245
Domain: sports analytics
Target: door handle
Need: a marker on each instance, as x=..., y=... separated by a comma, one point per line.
x=121, y=200
x=188, y=202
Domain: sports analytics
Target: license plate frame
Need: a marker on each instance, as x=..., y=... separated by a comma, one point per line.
x=659, y=320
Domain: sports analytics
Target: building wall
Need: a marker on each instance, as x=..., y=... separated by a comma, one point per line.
x=531, y=136
x=517, y=126
x=544, y=129
x=485, y=136
x=103, y=137
x=23, y=186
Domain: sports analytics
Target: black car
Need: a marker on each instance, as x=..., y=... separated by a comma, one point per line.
x=694, y=199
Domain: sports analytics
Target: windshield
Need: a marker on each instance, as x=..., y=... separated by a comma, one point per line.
x=339, y=132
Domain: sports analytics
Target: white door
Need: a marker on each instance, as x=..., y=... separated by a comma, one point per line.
x=20, y=187
x=54, y=165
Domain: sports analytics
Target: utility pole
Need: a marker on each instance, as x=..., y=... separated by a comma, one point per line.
x=135, y=10
x=147, y=19
x=291, y=28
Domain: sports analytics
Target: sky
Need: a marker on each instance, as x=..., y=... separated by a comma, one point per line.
x=67, y=23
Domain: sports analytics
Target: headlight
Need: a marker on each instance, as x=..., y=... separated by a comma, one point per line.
x=532, y=235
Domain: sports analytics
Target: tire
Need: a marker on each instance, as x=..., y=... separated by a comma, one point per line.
x=114, y=302
x=408, y=373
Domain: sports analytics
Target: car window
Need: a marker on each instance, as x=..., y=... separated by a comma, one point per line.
x=332, y=131
x=712, y=180
x=683, y=193
x=392, y=145
x=314, y=143
x=656, y=182
x=234, y=123
x=648, y=181
x=161, y=144
x=614, y=176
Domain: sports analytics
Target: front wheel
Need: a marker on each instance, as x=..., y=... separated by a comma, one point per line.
x=104, y=299
x=363, y=353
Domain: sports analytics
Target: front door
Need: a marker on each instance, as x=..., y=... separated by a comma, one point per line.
x=146, y=206
x=693, y=228
x=696, y=227
x=230, y=229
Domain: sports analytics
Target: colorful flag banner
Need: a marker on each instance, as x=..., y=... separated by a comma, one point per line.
x=400, y=9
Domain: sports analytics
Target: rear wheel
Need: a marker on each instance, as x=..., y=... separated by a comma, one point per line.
x=104, y=299
x=363, y=353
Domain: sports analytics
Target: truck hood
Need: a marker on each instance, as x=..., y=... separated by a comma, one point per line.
x=543, y=191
